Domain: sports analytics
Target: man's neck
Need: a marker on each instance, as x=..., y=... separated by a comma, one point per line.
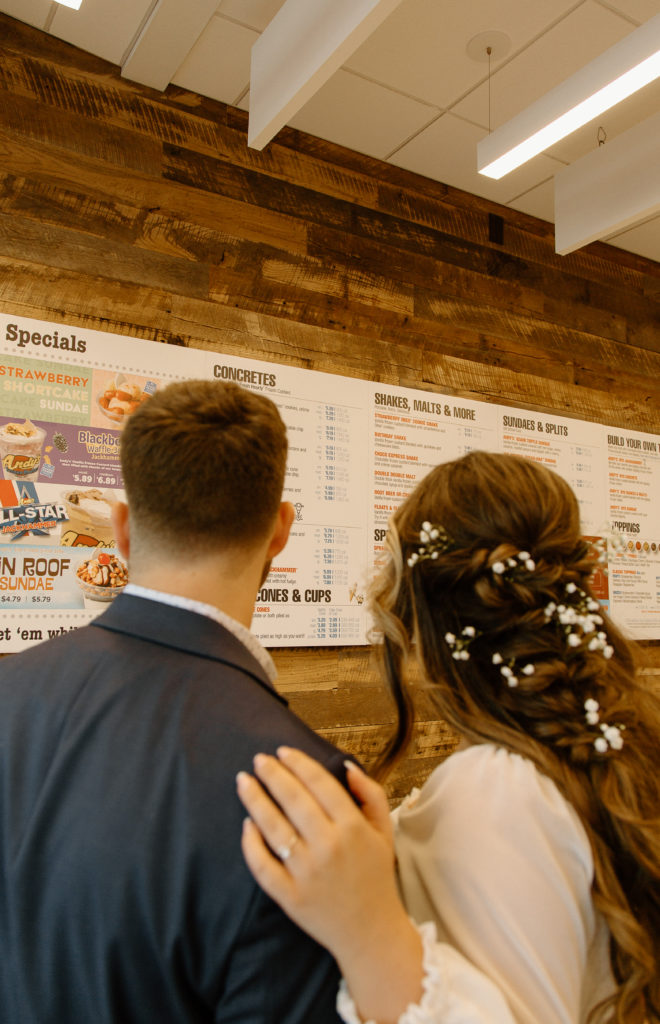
x=231, y=589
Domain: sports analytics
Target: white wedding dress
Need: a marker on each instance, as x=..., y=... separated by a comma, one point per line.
x=496, y=869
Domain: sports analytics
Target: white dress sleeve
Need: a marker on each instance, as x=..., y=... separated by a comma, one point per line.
x=493, y=854
x=455, y=992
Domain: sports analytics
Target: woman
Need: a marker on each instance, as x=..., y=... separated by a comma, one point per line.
x=531, y=857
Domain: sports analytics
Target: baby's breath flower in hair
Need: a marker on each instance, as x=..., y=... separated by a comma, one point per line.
x=433, y=541
x=578, y=616
x=610, y=735
x=512, y=568
x=508, y=670
x=459, y=644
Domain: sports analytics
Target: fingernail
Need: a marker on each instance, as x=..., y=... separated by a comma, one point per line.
x=283, y=752
x=259, y=760
x=241, y=779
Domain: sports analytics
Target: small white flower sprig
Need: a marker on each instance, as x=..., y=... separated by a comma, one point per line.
x=507, y=669
x=610, y=737
x=459, y=644
x=434, y=541
x=523, y=560
x=580, y=620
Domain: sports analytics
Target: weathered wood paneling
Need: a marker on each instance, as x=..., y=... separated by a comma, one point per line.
x=145, y=214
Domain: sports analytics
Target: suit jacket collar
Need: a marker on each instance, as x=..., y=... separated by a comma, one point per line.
x=181, y=630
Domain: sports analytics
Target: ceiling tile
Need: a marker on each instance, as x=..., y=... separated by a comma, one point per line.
x=251, y=13
x=538, y=202
x=32, y=12
x=218, y=66
x=573, y=42
x=104, y=29
x=421, y=48
x=640, y=10
x=643, y=239
x=447, y=151
x=363, y=116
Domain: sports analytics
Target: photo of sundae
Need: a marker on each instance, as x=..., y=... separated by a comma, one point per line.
x=89, y=519
x=20, y=450
x=120, y=398
x=103, y=577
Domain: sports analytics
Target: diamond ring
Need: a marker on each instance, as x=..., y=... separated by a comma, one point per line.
x=284, y=852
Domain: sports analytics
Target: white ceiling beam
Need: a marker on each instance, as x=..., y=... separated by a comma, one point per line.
x=304, y=44
x=609, y=189
x=164, y=41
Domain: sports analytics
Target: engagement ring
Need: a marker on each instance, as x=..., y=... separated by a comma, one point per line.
x=284, y=852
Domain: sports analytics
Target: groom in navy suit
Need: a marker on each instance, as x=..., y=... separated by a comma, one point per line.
x=124, y=898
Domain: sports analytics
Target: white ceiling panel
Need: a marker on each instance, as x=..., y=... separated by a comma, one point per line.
x=366, y=117
x=572, y=43
x=252, y=13
x=431, y=63
x=32, y=12
x=446, y=151
x=639, y=10
x=218, y=65
x=99, y=27
x=644, y=239
x=538, y=202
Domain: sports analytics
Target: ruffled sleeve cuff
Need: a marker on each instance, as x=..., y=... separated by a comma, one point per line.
x=454, y=990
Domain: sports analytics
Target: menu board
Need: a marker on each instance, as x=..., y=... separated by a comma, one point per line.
x=356, y=450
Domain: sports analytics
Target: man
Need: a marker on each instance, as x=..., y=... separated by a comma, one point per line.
x=124, y=897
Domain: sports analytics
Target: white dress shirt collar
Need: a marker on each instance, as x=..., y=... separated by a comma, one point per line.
x=236, y=628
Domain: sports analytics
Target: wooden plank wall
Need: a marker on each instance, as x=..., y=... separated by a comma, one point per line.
x=140, y=213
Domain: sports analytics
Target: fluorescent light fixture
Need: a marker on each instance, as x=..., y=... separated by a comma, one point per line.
x=623, y=69
x=75, y=4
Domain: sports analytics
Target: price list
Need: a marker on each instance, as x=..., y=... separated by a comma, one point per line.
x=320, y=598
x=633, y=461
x=571, y=448
x=411, y=434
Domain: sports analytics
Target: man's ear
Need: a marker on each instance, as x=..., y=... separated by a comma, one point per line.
x=119, y=515
x=283, y=523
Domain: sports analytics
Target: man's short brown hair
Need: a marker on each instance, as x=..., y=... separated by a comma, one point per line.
x=204, y=465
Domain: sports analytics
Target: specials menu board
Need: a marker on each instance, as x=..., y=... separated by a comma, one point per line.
x=356, y=450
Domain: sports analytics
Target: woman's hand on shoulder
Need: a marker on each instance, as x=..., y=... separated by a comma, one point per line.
x=332, y=869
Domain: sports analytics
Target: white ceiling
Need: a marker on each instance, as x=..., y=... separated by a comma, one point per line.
x=410, y=95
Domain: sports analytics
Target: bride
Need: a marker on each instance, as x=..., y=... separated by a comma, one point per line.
x=529, y=863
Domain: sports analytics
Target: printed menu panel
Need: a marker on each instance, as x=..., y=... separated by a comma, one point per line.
x=574, y=449
x=314, y=594
x=356, y=450
x=633, y=461
x=411, y=432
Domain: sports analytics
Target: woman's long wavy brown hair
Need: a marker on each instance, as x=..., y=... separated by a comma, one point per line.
x=494, y=506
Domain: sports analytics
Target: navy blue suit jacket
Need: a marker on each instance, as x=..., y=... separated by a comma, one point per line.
x=124, y=896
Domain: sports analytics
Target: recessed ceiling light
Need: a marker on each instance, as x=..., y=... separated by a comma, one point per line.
x=75, y=4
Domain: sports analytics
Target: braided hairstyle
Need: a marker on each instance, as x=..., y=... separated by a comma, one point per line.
x=491, y=507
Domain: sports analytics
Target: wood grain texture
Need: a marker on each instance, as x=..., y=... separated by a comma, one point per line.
x=146, y=214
